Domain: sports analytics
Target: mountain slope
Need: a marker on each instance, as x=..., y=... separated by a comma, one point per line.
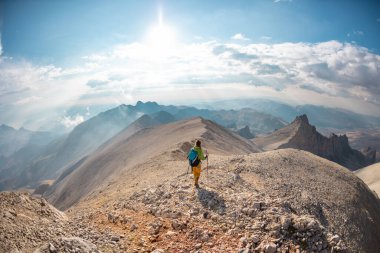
x=144, y=122
x=60, y=154
x=371, y=176
x=301, y=135
x=125, y=151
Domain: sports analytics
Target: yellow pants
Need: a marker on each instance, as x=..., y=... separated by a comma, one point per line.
x=197, y=173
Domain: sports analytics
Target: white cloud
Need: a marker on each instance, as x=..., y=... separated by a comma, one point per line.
x=70, y=122
x=27, y=100
x=239, y=36
x=326, y=73
x=355, y=33
x=278, y=1
x=35, y=96
x=329, y=68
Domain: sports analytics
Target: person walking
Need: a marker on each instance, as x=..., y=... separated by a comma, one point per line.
x=196, y=156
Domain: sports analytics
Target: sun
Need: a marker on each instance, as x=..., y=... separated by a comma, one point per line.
x=161, y=38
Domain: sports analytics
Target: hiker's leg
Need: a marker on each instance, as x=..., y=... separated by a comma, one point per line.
x=197, y=173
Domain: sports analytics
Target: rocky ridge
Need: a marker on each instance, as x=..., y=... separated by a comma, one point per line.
x=301, y=135
x=125, y=151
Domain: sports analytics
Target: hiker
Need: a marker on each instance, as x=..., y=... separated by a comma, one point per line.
x=196, y=157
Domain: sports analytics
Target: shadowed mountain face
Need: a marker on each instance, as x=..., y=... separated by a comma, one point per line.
x=365, y=140
x=301, y=135
x=130, y=148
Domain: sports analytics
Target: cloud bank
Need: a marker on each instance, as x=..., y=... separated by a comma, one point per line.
x=328, y=73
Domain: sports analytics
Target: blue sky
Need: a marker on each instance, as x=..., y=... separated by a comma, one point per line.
x=64, y=54
x=53, y=31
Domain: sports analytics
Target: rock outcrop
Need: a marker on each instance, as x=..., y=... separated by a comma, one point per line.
x=31, y=224
x=28, y=222
x=370, y=154
x=301, y=135
x=245, y=132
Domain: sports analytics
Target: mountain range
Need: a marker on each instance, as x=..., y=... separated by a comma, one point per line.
x=12, y=140
x=32, y=165
x=320, y=116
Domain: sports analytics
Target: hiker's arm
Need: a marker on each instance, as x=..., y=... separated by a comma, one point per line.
x=201, y=155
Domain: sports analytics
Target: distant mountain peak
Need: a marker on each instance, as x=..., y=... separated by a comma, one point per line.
x=147, y=107
x=245, y=132
x=302, y=119
x=148, y=103
x=163, y=117
x=6, y=127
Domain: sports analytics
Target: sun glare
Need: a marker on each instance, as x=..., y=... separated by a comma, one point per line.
x=161, y=39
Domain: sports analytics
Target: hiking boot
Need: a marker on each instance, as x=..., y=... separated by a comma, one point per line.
x=196, y=185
